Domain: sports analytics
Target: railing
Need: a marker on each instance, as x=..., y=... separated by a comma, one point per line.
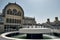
x=53, y=29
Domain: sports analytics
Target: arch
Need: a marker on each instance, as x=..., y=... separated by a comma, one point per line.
x=14, y=11
x=4, y=10
x=19, y=13
x=9, y=11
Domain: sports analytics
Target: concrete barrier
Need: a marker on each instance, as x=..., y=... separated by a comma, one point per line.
x=4, y=37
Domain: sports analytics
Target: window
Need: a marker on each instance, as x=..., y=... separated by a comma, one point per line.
x=6, y=26
x=1, y=23
x=13, y=20
x=9, y=11
x=7, y=20
x=19, y=13
x=10, y=26
x=14, y=11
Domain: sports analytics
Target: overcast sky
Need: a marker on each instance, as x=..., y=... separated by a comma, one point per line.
x=40, y=9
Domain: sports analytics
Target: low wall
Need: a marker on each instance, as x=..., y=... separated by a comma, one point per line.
x=4, y=36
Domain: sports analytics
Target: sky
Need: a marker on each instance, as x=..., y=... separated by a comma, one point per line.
x=38, y=9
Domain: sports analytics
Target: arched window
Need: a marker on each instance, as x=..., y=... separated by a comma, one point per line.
x=19, y=13
x=9, y=11
x=14, y=11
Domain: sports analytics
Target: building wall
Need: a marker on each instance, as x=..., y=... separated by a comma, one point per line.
x=55, y=24
x=1, y=28
x=1, y=24
x=13, y=21
x=28, y=21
